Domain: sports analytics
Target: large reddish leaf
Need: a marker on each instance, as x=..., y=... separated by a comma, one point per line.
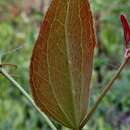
x=61, y=64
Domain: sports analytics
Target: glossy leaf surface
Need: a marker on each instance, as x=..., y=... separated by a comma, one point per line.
x=61, y=64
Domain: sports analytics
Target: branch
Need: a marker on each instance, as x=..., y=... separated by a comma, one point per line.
x=7, y=76
x=104, y=92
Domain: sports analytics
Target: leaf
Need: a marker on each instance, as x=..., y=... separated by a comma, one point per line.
x=126, y=29
x=61, y=64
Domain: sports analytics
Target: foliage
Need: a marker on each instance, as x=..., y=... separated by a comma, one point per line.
x=62, y=60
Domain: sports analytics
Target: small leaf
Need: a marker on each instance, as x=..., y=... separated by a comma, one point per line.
x=61, y=64
x=126, y=28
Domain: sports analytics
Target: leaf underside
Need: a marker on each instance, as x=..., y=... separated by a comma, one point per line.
x=61, y=64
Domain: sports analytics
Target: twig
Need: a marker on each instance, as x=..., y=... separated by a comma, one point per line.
x=104, y=92
x=10, y=51
x=6, y=64
x=7, y=76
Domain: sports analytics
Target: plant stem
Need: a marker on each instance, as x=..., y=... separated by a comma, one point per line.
x=7, y=76
x=104, y=92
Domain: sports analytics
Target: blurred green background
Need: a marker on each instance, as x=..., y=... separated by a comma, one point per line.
x=19, y=26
